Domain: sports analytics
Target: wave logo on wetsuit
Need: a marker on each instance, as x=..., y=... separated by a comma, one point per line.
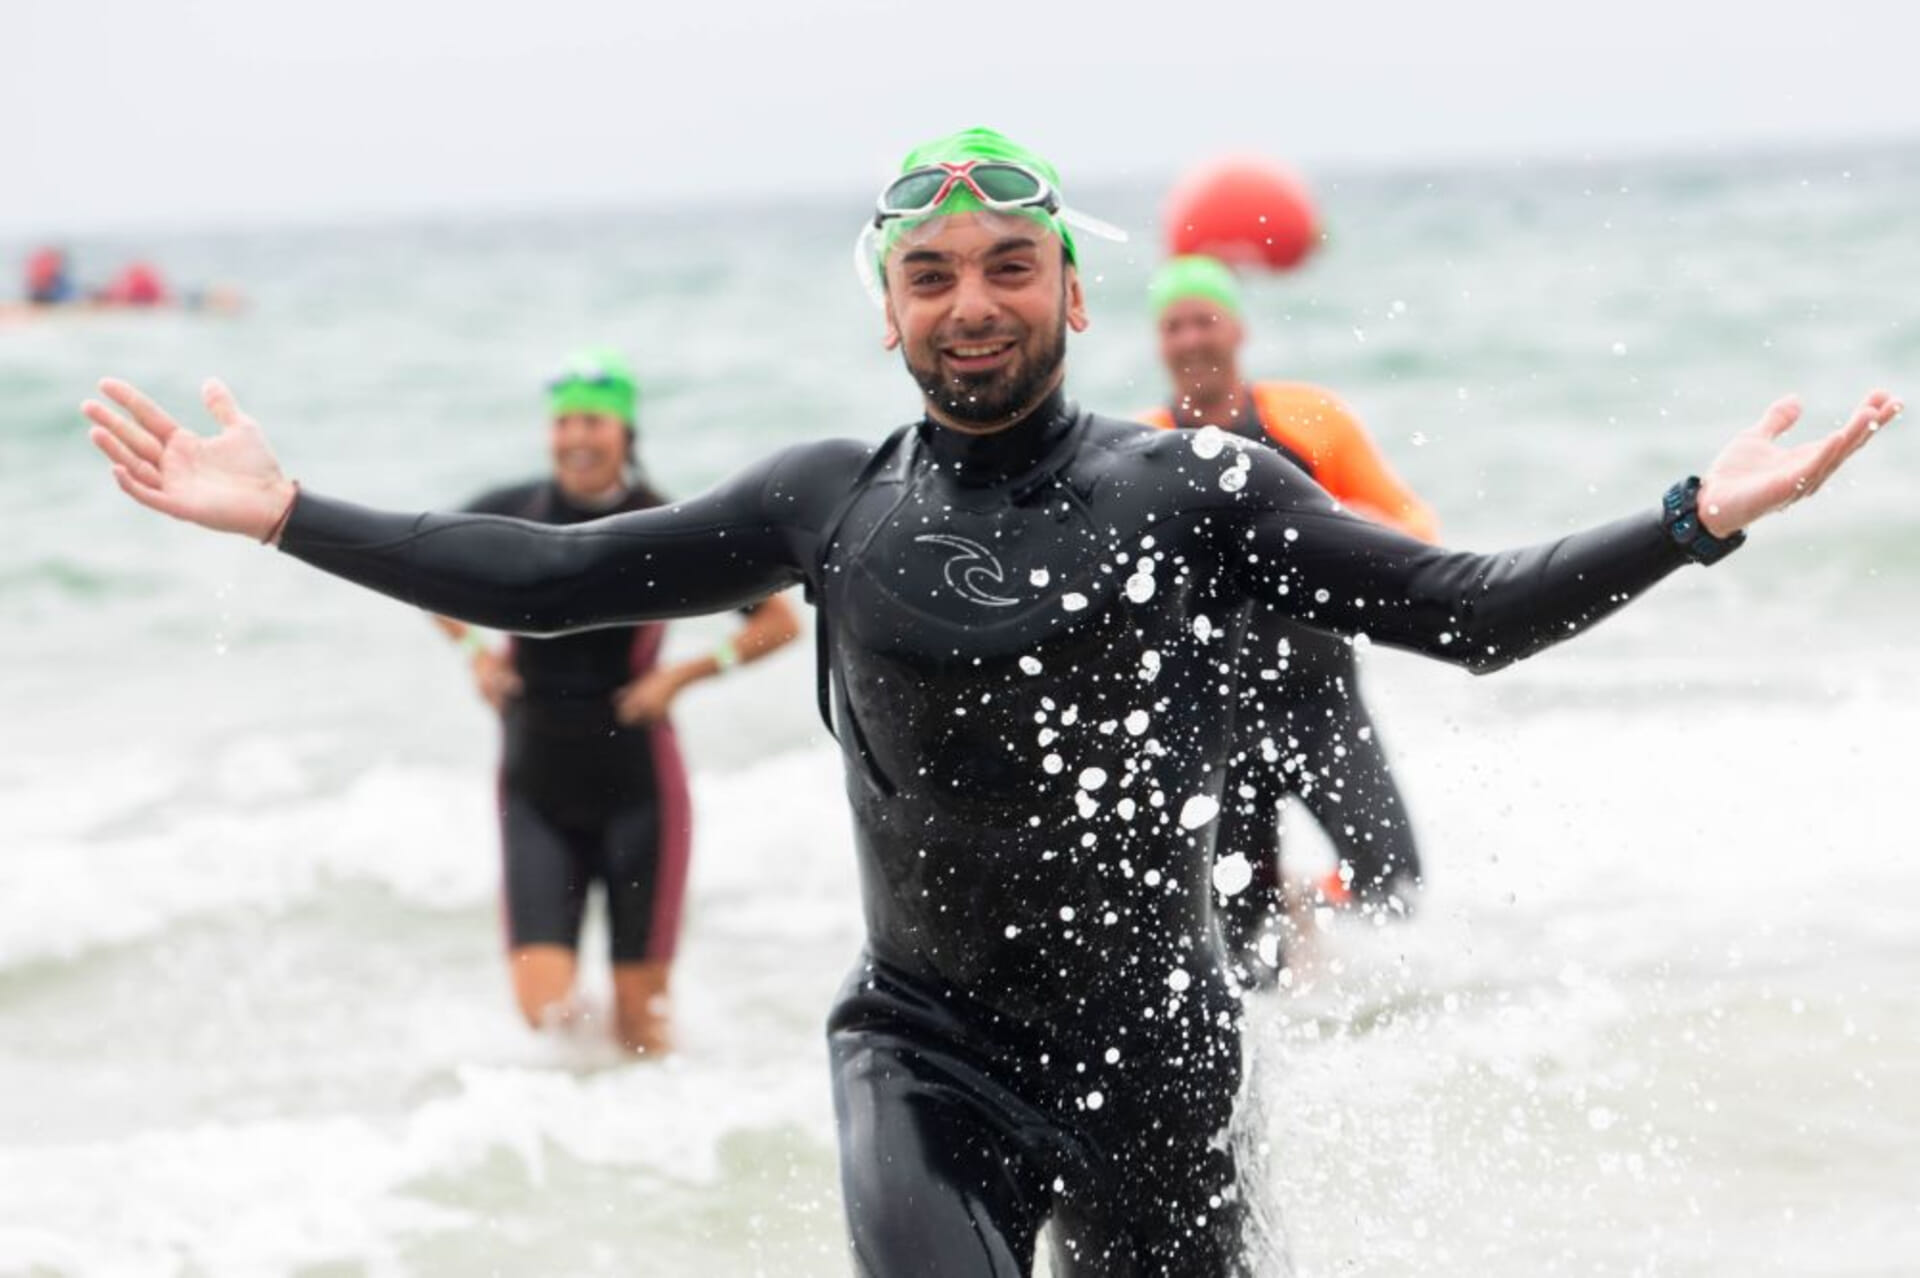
x=971, y=570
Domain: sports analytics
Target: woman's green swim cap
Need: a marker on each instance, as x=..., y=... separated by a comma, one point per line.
x=598, y=380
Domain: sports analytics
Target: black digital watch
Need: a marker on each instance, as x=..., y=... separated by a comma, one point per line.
x=1681, y=514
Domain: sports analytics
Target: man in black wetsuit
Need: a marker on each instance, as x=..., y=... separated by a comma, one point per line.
x=1031, y=614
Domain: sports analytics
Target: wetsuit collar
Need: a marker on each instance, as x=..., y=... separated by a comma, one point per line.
x=606, y=503
x=1005, y=454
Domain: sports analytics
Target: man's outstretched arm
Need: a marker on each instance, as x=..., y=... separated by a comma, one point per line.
x=729, y=547
x=1483, y=612
x=711, y=554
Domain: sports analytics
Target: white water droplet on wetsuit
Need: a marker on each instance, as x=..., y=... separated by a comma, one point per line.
x=1031, y=665
x=1140, y=587
x=1137, y=722
x=1198, y=810
x=1039, y=576
x=1234, y=479
x=1073, y=601
x=1178, y=979
x=1202, y=627
x=1209, y=442
x=1093, y=778
x=1231, y=874
x=1052, y=764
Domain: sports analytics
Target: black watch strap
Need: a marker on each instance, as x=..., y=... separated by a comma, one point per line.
x=1680, y=512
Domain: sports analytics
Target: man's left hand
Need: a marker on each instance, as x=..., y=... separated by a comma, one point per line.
x=1756, y=475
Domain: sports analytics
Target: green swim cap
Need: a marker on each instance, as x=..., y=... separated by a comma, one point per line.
x=974, y=144
x=1180, y=278
x=598, y=380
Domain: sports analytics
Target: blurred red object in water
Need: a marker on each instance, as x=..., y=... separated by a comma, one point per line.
x=1246, y=212
x=139, y=284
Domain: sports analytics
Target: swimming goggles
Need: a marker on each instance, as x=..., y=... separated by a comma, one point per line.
x=999, y=185
x=585, y=375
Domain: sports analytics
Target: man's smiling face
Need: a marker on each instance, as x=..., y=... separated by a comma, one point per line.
x=979, y=304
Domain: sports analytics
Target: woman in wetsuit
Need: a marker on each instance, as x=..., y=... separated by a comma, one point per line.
x=1030, y=614
x=592, y=788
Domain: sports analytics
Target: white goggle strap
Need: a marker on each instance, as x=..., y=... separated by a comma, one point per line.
x=864, y=246
x=1091, y=225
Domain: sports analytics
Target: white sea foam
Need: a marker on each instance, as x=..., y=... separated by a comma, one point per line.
x=419, y=834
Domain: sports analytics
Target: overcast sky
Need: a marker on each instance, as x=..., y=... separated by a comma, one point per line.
x=216, y=112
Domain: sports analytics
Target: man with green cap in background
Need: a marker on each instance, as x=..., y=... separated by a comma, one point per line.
x=592, y=786
x=1030, y=619
x=1300, y=727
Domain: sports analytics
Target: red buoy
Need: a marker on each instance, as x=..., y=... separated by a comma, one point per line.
x=1246, y=212
x=137, y=284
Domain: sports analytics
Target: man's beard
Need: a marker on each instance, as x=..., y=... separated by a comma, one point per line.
x=998, y=397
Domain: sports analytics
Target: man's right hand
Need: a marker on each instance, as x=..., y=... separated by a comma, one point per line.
x=494, y=675
x=229, y=482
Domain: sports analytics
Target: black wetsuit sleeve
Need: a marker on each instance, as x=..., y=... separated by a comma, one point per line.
x=741, y=541
x=1348, y=575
